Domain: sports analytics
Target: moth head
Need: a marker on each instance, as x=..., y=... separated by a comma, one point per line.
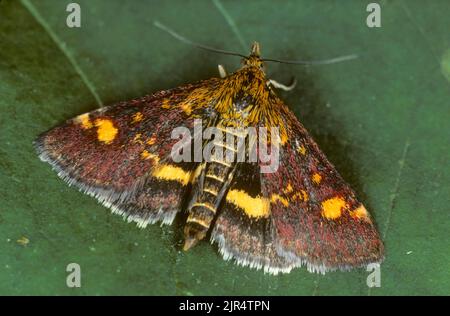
x=254, y=59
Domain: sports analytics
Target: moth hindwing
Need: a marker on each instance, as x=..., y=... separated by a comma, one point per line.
x=301, y=212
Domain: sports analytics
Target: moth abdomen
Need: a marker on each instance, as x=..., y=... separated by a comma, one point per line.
x=207, y=197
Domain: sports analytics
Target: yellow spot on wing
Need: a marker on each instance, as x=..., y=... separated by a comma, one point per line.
x=289, y=188
x=305, y=195
x=137, y=138
x=148, y=155
x=252, y=206
x=186, y=107
x=360, y=213
x=84, y=120
x=301, y=195
x=276, y=197
x=165, y=104
x=332, y=208
x=106, y=132
x=145, y=154
x=301, y=149
x=284, y=137
x=137, y=117
x=316, y=178
x=168, y=172
x=151, y=141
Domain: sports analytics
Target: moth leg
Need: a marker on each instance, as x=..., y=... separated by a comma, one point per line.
x=281, y=86
x=222, y=71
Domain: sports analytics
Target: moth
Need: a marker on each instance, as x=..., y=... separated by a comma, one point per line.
x=303, y=213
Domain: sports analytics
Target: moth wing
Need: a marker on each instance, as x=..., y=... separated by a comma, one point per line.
x=243, y=230
x=121, y=154
x=316, y=217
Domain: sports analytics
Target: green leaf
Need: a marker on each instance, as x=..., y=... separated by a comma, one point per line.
x=382, y=119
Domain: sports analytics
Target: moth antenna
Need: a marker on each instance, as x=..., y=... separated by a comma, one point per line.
x=189, y=42
x=314, y=62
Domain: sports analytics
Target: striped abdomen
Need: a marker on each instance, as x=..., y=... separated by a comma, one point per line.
x=212, y=186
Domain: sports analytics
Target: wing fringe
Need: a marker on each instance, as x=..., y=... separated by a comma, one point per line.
x=108, y=197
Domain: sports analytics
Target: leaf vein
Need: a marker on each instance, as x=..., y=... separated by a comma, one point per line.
x=395, y=192
x=61, y=45
x=421, y=32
